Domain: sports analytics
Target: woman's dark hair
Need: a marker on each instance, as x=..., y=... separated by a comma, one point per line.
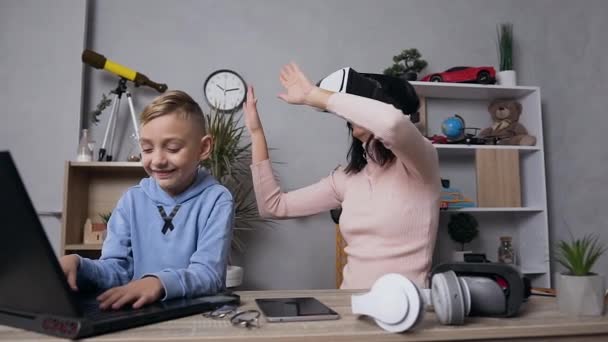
x=408, y=103
x=357, y=154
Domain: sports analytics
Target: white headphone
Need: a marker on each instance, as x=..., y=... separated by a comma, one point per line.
x=397, y=305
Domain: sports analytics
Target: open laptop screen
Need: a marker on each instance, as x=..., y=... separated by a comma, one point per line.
x=31, y=280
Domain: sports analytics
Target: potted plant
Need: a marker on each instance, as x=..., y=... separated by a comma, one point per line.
x=407, y=64
x=579, y=291
x=105, y=217
x=462, y=228
x=229, y=164
x=506, y=75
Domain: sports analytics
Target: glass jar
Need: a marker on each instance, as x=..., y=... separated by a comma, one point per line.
x=505, y=251
x=85, y=147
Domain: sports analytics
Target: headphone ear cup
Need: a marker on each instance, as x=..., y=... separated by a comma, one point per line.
x=447, y=295
x=393, y=301
x=466, y=295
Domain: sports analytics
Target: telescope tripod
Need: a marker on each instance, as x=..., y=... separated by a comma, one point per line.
x=111, y=127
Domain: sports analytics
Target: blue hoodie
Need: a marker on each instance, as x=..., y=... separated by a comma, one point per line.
x=190, y=259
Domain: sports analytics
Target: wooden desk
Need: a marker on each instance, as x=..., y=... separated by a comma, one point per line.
x=538, y=320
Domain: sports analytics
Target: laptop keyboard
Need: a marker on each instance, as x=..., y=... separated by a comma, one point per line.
x=90, y=309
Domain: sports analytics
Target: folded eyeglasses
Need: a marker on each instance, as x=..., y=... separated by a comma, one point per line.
x=243, y=319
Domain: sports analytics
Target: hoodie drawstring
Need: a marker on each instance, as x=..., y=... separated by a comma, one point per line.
x=168, y=219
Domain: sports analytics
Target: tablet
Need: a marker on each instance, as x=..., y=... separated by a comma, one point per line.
x=295, y=309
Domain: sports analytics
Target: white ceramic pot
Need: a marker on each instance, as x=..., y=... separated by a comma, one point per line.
x=507, y=78
x=234, y=276
x=580, y=295
x=458, y=256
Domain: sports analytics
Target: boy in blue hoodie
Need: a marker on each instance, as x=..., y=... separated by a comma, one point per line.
x=169, y=236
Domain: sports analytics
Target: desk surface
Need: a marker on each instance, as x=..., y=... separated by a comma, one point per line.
x=538, y=318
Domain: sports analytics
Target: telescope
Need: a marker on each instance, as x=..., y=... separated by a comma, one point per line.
x=99, y=61
x=126, y=74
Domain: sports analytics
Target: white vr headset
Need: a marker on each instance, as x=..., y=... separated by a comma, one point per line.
x=397, y=304
x=388, y=89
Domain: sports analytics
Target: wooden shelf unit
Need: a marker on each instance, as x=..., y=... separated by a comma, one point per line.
x=91, y=188
x=527, y=223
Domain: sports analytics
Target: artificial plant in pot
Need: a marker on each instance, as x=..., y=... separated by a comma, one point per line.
x=579, y=291
x=229, y=164
x=407, y=64
x=506, y=75
x=105, y=218
x=462, y=228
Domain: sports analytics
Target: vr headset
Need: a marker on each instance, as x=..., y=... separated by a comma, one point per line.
x=387, y=89
x=457, y=290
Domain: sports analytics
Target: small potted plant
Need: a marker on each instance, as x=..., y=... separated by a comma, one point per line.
x=407, y=64
x=579, y=291
x=462, y=228
x=506, y=75
x=105, y=217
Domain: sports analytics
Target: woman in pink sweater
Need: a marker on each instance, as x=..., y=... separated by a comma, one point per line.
x=389, y=191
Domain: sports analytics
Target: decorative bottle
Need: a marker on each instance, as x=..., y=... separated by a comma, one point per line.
x=505, y=251
x=85, y=147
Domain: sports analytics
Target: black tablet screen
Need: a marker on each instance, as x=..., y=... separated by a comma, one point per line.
x=293, y=307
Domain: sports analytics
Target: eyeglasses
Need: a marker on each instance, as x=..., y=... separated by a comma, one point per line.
x=246, y=319
x=243, y=319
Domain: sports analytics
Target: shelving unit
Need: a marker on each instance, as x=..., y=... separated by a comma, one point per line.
x=91, y=188
x=528, y=224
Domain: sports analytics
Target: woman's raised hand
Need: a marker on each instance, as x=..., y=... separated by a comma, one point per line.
x=297, y=86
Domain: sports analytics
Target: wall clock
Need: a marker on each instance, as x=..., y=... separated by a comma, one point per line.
x=225, y=90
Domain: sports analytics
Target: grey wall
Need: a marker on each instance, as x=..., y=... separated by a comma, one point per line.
x=40, y=94
x=560, y=47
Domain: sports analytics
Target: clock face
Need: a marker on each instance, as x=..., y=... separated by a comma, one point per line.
x=225, y=90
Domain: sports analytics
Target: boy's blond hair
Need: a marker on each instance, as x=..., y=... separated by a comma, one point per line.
x=174, y=102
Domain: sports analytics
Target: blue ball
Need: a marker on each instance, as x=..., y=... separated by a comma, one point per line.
x=452, y=127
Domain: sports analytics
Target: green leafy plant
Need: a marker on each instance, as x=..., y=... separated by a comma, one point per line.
x=579, y=255
x=101, y=106
x=105, y=217
x=229, y=164
x=409, y=60
x=462, y=228
x=505, y=46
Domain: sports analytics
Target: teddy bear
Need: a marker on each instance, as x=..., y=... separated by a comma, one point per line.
x=506, y=129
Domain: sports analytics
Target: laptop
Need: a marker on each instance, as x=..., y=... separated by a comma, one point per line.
x=34, y=294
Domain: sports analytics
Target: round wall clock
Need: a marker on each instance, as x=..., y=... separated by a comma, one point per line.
x=225, y=90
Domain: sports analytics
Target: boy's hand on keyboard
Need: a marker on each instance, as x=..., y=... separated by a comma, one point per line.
x=139, y=292
x=69, y=265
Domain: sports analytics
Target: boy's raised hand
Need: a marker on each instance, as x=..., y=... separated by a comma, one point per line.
x=139, y=292
x=252, y=119
x=69, y=265
x=296, y=84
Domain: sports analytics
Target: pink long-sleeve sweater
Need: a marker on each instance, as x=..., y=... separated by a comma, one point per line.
x=389, y=214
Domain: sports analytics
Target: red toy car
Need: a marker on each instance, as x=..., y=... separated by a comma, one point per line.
x=462, y=74
x=438, y=139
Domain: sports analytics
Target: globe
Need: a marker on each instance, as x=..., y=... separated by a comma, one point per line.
x=452, y=127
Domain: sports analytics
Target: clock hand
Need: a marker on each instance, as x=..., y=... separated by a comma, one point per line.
x=219, y=86
x=232, y=89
